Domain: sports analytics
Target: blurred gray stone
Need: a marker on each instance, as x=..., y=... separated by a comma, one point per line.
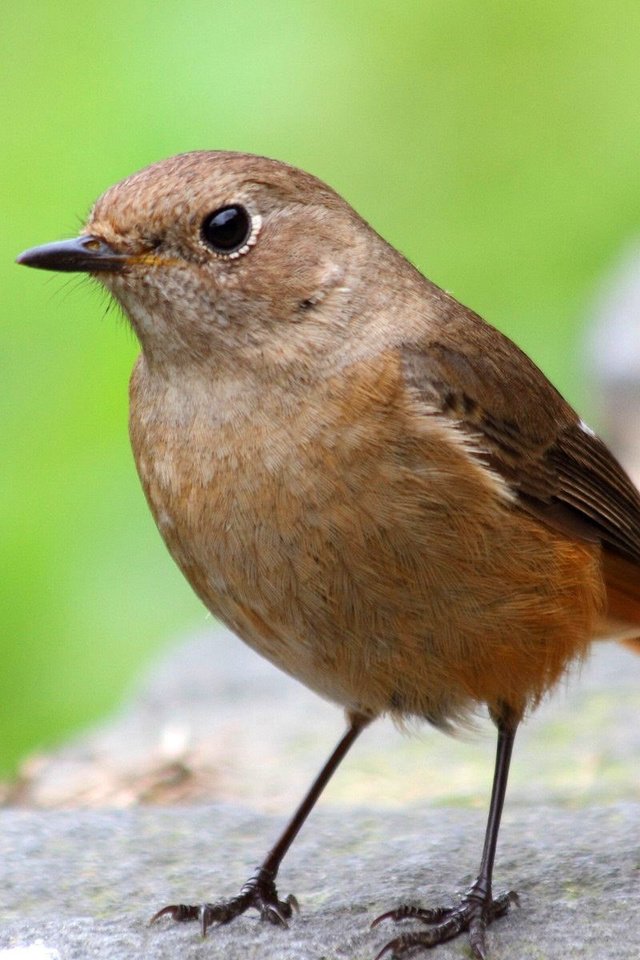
x=612, y=347
x=403, y=819
x=214, y=721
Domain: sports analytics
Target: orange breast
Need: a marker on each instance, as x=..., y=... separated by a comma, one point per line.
x=363, y=547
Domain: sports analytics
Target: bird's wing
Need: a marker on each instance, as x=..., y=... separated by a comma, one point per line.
x=559, y=469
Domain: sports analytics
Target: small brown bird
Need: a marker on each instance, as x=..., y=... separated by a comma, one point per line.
x=374, y=488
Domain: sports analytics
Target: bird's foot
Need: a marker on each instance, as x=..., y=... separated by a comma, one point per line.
x=474, y=913
x=258, y=893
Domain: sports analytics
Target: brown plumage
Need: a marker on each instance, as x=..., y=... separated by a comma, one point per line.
x=373, y=487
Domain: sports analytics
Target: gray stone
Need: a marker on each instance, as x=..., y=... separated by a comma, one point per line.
x=214, y=721
x=402, y=820
x=84, y=883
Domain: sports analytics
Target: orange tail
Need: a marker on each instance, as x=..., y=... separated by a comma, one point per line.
x=622, y=580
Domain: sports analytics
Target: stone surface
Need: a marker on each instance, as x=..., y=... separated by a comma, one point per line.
x=85, y=883
x=403, y=819
x=214, y=721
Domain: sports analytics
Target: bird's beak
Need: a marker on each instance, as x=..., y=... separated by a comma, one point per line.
x=85, y=254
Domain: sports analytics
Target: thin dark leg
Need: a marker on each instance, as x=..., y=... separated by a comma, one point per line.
x=506, y=737
x=481, y=891
x=271, y=863
x=477, y=908
x=260, y=891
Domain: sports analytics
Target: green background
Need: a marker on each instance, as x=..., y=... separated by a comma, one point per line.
x=496, y=143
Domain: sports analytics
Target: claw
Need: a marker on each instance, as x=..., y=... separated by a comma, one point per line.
x=408, y=912
x=259, y=893
x=180, y=912
x=477, y=943
x=390, y=947
x=474, y=913
x=273, y=913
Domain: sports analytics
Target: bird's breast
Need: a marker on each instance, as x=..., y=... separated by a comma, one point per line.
x=360, y=545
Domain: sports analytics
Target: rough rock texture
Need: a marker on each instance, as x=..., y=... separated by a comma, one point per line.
x=403, y=819
x=84, y=883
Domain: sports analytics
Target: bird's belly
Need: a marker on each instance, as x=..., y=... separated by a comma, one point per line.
x=362, y=546
x=409, y=609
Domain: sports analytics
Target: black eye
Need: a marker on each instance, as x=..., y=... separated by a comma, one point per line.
x=227, y=229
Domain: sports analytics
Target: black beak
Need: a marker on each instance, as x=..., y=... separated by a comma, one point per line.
x=82, y=254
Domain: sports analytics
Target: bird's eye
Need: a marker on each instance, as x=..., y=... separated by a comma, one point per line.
x=228, y=230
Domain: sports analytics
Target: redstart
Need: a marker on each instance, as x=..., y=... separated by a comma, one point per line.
x=370, y=485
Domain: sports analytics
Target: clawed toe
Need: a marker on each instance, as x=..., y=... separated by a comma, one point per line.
x=409, y=912
x=258, y=893
x=180, y=912
x=474, y=913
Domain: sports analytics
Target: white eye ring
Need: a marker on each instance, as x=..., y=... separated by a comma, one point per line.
x=230, y=231
x=256, y=224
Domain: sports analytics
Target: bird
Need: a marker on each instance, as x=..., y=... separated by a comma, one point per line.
x=369, y=484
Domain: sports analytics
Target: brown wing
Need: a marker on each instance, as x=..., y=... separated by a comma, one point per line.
x=560, y=470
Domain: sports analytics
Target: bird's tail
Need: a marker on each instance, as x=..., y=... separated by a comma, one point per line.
x=622, y=580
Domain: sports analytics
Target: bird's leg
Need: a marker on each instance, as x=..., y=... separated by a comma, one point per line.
x=260, y=891
x=478, y=908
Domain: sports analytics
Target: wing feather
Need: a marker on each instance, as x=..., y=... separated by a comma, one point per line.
x=558, y=468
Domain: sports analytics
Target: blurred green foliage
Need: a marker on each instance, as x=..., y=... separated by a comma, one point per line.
x=496, y=143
